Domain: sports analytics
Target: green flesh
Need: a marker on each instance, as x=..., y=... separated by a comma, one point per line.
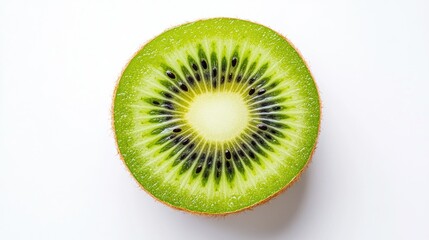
x=175, y=163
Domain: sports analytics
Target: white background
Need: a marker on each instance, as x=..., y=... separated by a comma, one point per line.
x=60, y=175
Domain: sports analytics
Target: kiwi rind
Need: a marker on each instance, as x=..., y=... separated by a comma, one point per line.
x=293, y=180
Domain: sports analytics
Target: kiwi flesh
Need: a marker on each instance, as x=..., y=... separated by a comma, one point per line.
x=216, y=116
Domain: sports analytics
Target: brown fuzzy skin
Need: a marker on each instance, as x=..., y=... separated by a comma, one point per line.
x=286, y=187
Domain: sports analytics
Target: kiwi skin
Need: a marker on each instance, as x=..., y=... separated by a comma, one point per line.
x=286, y=187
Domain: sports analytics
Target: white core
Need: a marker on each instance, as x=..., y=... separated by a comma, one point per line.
x=218, y=116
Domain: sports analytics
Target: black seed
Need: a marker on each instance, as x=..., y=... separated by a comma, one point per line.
x=191, y=146
x=171, y=136
x=200, y=163
x=214, y=72
x=175, y=89
x=206, y=175
x=262, y=127
x=214, y=83
x=264, y=104
x=235, y=156
x=186, y=141
x=253, y=143
x=168, y=118
x=209, y=162
x=183, y=87
x=241, y=153
x=170, y=74
x=252, y=91
x=230, y=170
x=167, y=95
x=261, y=141
x=273, y=131
x=190, y=80
x=268, y=136
x=198, y=77
x=252, y=80
x=252, y=155
x=244, y=146
x=219, y=164
x=155, y=102
x=204, y=64
x=230, y=77
x=222, y=79
x=234, y=61
x=194, y=66
x=218, y=174
x=183, y=156
x=228, y=165
x=276, y=108
x=239, y=78
x=227, y=154
x=261, y=91
x=177, y=130
x=177, y=140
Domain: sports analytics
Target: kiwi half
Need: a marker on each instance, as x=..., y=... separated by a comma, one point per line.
x=216, y=116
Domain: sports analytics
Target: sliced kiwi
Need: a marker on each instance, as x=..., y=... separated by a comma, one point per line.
x=216, y=116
